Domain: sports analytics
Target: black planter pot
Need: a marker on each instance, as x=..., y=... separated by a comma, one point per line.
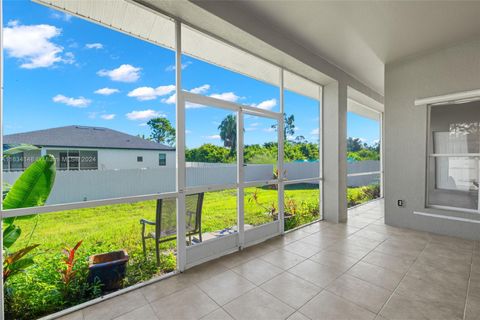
x=109, y=269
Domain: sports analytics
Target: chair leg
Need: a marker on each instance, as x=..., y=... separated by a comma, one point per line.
x=157, y=250
x=144, y=248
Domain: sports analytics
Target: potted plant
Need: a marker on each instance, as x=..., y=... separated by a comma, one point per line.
x=109, y=269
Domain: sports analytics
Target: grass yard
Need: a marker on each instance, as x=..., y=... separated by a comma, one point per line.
x=40, y=291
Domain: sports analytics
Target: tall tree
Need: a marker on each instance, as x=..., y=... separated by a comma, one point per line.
x=289, y=126
x=228, y=132
x=354, y=144
x=162, y=131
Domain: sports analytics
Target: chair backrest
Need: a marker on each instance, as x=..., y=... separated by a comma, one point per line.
x=166, y=215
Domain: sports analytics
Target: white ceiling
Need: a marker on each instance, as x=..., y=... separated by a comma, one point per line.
x=361, y=36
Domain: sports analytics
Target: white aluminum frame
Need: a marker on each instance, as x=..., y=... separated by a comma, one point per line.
x=381, y=172
x=240, y=111
x=181, y=191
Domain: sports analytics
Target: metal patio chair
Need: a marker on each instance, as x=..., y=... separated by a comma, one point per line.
x=166, y=222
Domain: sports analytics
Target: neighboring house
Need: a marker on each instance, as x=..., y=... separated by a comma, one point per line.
x=89, y=148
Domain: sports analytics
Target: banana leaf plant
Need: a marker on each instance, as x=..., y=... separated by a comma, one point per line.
x=31, y=189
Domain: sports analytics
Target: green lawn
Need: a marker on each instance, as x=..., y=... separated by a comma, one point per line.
x=38, y=291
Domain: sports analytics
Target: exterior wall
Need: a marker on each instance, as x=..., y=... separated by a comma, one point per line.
x=449, y=70
x=110, y=159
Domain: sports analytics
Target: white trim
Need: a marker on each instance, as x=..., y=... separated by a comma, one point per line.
x=210, y=188
x=433, y=215
x=180, y=152
x=449, y=208
x=363, y=173
x=280, y=160
x=469, y=155
x=306, y=180
x=457, y=97
x=240, y=181
x=85, y=204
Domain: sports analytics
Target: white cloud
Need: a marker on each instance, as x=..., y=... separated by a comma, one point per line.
x=188, y=131
x=149, y=93
x=198, y=90
x=201, y=89
x=314, y=131
x=124, y=73
x=32, y=45
x=269, y=129
x=228, y=96
x=110, y=116
x=213, y=137
x=255, y=124
x=79, y=102
x=170, y=100
x=266, y=105
x=62, y=16
x=144, y=114
x=173, y=67
x=106, y=91
x=95, y=45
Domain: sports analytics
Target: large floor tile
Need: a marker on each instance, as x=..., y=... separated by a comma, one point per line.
x=360, y=292
x=298, y=316
x=316, y=273
x=218, y=314
x=115, y=307
x=225, y=287
x=257, y=271
x=165, y=287
x=303, y=248
x=397, y=264
x=349, y=249
x=283, y=259
x=327, y=306
x=258, y=304
x=204, y=271
x=401, y=308
x=291, y=289
x=445, y=264
x=190, y=303
x=336, y=260
x=376, y=275
x=144, y=313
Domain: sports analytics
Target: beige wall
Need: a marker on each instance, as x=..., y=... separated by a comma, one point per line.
x=445, y=71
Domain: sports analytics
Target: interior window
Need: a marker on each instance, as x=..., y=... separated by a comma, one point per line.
x=453, y=162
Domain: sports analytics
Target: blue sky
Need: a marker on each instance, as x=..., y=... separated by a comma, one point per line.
x=61, y=70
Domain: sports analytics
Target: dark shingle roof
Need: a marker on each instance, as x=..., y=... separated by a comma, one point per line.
x=83, y=137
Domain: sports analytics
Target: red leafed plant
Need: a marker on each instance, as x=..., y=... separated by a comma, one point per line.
x=68, y=273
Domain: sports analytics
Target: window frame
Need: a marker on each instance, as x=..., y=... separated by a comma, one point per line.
x=162, y=159
x=431, y=154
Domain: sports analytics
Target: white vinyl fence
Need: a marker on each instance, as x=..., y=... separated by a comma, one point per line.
x=360, y=167
x=75, y=186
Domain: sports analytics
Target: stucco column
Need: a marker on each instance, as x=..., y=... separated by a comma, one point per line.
x=335, y=152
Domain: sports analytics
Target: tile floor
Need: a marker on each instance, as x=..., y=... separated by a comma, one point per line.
x=363, y=269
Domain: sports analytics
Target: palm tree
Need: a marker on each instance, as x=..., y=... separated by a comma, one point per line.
x=228, y=132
